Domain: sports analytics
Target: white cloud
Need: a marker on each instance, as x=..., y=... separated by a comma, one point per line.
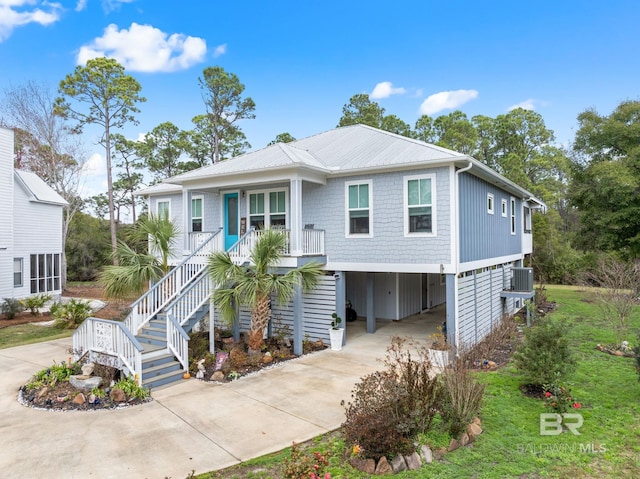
x=529, y=104
x=94, y=166
x=81, y=5
x=446, y=100
x=220, y=50
x=385, y=90
x=16, y=13
x=111, y=5
x=144, y=48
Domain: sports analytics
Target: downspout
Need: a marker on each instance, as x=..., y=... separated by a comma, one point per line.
x=457, y=240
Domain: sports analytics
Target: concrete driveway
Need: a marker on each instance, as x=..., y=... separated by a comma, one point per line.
x=189, y=426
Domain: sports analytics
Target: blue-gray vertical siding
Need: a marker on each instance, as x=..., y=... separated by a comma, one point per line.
x=484, y=235
x=324, y=206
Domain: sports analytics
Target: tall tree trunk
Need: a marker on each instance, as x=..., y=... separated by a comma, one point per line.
x=112, y=219
x=259, y=320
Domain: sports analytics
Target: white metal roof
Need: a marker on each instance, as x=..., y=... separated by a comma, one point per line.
x=37, y=189
x=159, y=188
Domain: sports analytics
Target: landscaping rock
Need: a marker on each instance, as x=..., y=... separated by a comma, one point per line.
x=87, y=369
x=365, y=465
x=618, y=353
x=383, y=466
x=43, y=392
x=473, y=430
x=117, y=395
x=85, y=383
x=79, y=399
x=453, y=445
x=413, y=461
x=477, y=420
x=398, y=464
x=217, y=376
x=427, y=454
x=464, y=439
x=267, y=358
x=439, y=453
x=92, y=398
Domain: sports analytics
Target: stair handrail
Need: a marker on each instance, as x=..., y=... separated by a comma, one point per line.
x=178, y=341
x=191, y=298
x=240, y=251
x=114, y=340
x=168, y=287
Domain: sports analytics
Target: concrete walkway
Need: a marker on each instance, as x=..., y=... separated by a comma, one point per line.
x=189, y=426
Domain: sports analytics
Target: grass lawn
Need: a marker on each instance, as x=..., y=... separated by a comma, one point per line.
x=29, y=333
x=511, y=446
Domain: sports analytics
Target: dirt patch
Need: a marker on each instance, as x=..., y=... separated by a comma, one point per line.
x=114, y=309
x=24, y=318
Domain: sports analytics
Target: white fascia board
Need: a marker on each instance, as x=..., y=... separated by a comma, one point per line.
x=390, y=267
x=255, y=178
x=422, y=164
x=484, y=263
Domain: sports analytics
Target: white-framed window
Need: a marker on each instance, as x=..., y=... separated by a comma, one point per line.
x=45, y=272
x=268, y=209
x=163, y=208
x=527, y=219
x=513, y=215
x=18, y=272
x=490, y=204
x=503, y=206
x=196, y=213
x=358, y=208
x=420, y=205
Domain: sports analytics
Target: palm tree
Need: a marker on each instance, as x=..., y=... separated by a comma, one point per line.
x=255, y=284
x=135, y=270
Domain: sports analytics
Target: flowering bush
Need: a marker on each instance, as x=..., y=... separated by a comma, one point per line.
x=301, y=466
x=558, y=399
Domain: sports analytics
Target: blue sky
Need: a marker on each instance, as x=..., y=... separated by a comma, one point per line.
x=301, y=61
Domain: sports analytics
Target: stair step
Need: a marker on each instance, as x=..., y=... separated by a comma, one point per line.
x=157, y=324
x=156, y=361
x=163, y=379
x=152, y=331
x=159, y=370
x=147, y=339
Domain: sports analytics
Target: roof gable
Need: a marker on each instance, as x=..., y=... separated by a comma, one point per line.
x=37, y=189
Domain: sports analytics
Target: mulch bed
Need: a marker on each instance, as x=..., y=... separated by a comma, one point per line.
x=24, y=318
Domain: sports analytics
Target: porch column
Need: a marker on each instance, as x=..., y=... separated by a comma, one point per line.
x=341, y=301
x=236, y=324
x=371, y=312
x=212, y=321
x=186, y=215
x=295, y=222
x=297, y=321
x=452, y=310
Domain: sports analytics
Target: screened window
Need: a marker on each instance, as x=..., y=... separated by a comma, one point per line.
x=256, y=211
x=513, y=216
x=163, y=208
x=17, y=272
x=196, y=214
x=420, y=205
x=358, y=208
x=277, y=209
x=45, y=273
x=490, y=207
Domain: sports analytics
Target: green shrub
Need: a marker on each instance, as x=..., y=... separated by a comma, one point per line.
x=462, y=397
x=53, y=375
x=11, y=307
x=131, y=389
x=34, y=303
x=70, y=314
x=390, y=407
x=636, y=350
x=544, y=356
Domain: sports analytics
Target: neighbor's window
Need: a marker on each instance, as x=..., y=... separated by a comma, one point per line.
x=504, y=208
x=513, y=216
x=45, y=272
x=196, y=214
x=17, y=272
x=489, y=203
x=358, y=199
x=163, y=208
x=420, y=205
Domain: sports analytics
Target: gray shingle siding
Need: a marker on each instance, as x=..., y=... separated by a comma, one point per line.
x=324, y=206
x=484, y=235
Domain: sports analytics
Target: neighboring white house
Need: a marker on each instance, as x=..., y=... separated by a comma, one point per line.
x=31, y=230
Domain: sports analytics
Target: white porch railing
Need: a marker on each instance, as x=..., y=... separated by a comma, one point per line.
x=313, y=242
x=168, y=288
x=178, y=341
x=191, y=299
x=197, y=239
x=240, y=252
x=112, y=338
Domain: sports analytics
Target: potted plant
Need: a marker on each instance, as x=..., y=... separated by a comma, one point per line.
x=438, y=349
x=336, y=333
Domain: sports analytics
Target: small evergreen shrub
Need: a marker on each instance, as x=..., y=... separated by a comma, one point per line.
x=11, y=307
x=462, y=397
x=544, y=357
x=390, y=407
x=34, y=303
x=71, y=314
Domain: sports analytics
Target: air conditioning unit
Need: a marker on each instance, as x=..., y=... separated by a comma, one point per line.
x=522, y=279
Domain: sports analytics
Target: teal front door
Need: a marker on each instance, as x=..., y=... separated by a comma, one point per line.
x=230, y=219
